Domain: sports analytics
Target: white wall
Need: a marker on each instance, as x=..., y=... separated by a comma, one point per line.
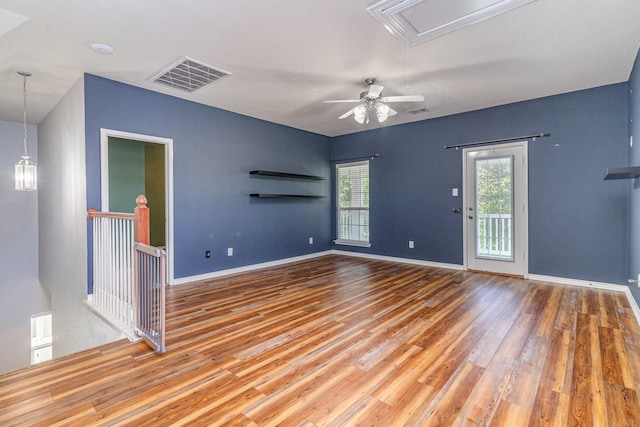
x=20, y=292
x=63, y=226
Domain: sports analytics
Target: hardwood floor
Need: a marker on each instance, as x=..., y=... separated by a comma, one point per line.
x=346, y=341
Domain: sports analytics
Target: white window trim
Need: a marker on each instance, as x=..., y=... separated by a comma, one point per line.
x=348, y=242
x=352, y=243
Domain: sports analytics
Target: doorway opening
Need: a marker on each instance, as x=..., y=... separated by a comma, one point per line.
x=133, y=164
x=496, y=210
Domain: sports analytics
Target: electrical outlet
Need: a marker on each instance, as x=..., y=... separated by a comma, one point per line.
x=411, y=244
x=207, y=254
x=311, y=240
x=229, y=251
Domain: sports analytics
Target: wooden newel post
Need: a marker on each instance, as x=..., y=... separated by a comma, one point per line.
x=141, y=220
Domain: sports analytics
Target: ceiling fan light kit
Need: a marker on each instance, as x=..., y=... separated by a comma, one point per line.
x=372, y=100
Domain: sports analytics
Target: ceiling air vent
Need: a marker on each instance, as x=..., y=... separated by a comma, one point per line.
x=188, y=75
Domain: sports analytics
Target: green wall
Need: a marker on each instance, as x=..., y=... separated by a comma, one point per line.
x=155, y=191
x=137, y=167
x=126, y=174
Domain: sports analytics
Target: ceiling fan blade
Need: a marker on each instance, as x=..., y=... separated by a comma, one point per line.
x=403, y=98
x=333, y=101
x=392, y=112
x=347, y=114
x=375, y=91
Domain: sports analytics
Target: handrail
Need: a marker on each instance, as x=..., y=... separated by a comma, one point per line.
x=92, y=213
x=140, y=216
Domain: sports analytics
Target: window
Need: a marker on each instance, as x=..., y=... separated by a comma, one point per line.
x=352, y=202
x=41, y=338
x=494, y=204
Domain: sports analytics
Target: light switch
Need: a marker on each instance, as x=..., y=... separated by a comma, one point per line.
x=454, y=192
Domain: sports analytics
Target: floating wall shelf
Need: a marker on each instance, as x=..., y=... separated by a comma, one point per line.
x=286, y=175
x=630, y=172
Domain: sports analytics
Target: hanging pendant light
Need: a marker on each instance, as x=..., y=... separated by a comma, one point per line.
x=26, y=174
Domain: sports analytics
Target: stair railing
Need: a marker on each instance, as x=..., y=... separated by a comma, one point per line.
x=128, y=275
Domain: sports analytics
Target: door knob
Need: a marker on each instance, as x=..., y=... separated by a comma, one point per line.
x=470, y=217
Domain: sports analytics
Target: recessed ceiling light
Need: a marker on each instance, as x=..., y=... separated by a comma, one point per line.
x=103, y=48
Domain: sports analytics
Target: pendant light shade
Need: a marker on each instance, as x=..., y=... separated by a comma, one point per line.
x=26, y=174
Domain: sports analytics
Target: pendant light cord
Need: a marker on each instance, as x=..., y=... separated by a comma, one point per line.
x=24, y=112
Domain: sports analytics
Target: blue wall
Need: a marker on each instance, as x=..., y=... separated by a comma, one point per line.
x=634, y=185
x=214, y=150
x=577, y=221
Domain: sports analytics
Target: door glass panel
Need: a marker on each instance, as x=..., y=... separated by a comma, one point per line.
x=493, y=208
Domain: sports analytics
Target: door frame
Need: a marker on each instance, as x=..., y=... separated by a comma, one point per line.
x=105, y=134
x=523, y=221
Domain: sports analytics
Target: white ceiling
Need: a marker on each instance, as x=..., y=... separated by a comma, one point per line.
x=286, y=57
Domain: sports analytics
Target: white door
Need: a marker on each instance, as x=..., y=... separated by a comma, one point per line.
x=495, y=212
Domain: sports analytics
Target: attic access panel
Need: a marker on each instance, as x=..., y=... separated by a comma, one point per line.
x=416, y=21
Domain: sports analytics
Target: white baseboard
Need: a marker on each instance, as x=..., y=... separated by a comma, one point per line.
x=592, y=284
x=577, y=282
x=247, y=268
x=400, y=260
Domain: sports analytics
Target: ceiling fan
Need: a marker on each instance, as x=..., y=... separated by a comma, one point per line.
x=371, y=100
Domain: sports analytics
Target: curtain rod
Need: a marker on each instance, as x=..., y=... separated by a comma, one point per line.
x=371, y=157
x=515, y=138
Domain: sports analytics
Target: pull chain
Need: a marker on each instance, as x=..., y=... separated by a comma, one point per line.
x=407, y=63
